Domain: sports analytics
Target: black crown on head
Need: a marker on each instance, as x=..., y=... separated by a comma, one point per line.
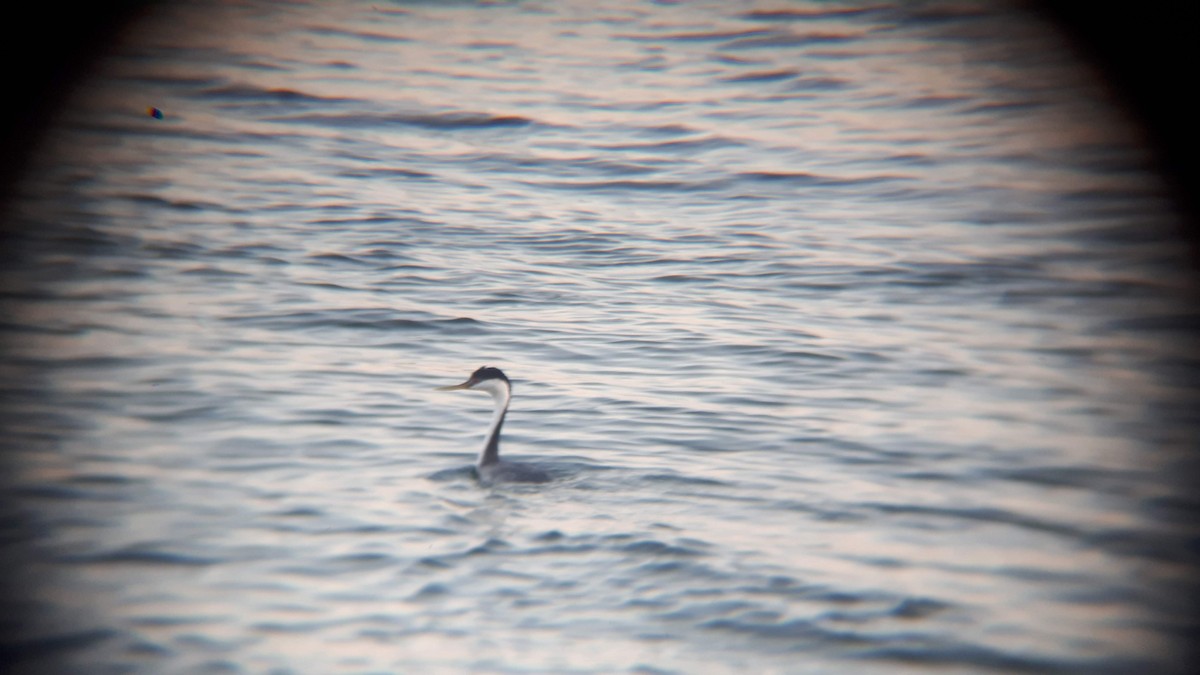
x=488, y=373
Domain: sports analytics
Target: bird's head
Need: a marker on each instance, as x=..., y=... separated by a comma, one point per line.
x=491, y=380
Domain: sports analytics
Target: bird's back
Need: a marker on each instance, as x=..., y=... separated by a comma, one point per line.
x=511, y=472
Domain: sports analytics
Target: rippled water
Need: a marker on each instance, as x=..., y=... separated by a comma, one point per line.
x=854, y=335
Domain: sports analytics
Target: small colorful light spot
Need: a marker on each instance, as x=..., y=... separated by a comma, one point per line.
x=155, y=113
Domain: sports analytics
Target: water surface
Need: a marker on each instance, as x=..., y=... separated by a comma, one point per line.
x=854, y=334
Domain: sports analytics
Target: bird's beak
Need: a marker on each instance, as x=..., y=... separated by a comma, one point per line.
x=453, y=387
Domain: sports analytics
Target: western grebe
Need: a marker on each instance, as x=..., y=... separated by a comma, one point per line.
x=489, y=467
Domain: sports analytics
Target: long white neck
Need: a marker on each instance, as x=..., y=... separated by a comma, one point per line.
x=501, y=394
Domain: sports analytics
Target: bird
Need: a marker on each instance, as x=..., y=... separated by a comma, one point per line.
x=489, y=468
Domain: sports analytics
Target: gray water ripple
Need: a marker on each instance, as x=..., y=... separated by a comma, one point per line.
x=688, y=146
x=391, y=173
x=149, y=554
x=355, y=36
x=937, y=653
x=654, y=186
x=812, y=14
x=357, y=319
x=788, y=39
x=62, y=642
x=248, y=93
x=446, y=121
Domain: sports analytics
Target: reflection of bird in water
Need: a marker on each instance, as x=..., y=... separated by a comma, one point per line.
x=489, y=467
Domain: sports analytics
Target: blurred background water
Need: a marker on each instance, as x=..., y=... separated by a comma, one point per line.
x=855, y=334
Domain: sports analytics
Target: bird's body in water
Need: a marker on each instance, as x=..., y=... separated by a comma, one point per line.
x=489, y=467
